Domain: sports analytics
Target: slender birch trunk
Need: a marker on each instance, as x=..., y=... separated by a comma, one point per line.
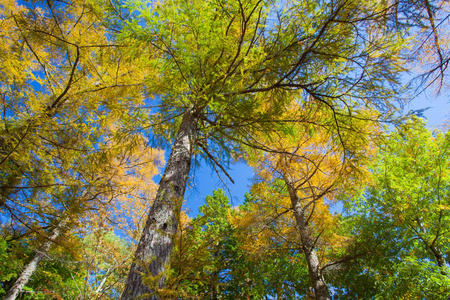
x=31, y=267
x=100, y=286
x=308, y=244
x=153, y=253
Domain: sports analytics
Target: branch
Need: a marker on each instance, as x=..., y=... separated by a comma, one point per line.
x=211, y=157
x=58, y=100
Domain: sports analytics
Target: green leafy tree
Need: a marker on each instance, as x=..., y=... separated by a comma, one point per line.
x=401, y=219
x=74, y=267
x=207, y=255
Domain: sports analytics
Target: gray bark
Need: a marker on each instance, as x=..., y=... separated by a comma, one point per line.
x=155, y=246
x=308, y=246
x=31, y=267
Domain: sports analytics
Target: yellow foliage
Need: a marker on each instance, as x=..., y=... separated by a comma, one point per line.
x=318, y=161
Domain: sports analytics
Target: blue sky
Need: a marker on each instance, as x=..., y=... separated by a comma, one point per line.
x=206, y=181
x=439, y=107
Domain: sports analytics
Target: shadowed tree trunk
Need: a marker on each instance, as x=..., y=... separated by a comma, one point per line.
x=155, y=246
x=435, y=250
x=31, y=267
x=308, y=245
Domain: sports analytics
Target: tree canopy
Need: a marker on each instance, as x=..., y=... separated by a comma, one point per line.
x=93, y=91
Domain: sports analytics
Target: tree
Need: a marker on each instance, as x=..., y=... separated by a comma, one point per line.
x=270, y=237
x=207, y=256
x=119, y=202
x=230, y=253
x=311, y=168
x=60, y=79
x=427, y=20
x=401, y=216
x=63, y=153
x=224, y=80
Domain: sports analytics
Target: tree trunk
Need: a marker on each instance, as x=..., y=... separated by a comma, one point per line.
x=308, y=244
x=100, y=286
x=440, y=259
x=31, y=267
x=153, y=253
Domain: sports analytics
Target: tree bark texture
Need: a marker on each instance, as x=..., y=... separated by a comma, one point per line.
x=153, y=253
x=308, y=244
x=31, y=267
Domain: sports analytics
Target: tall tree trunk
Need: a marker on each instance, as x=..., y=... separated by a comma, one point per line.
x=308, y=244
x=31, y=267
x=155, y=246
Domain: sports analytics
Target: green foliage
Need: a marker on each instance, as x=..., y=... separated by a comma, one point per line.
x=403, y=215
x=93, y=268
x=207, y=259
x=57, y=277
x=220, y=255
x=8, y=271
